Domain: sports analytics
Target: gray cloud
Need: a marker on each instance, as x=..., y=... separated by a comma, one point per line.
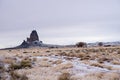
x=59, y=21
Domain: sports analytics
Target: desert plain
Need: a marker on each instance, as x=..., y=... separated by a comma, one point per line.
x=92, y=63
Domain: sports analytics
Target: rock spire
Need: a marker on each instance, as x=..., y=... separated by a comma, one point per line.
x=33, y=36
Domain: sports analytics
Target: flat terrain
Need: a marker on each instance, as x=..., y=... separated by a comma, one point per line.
x=95, y=63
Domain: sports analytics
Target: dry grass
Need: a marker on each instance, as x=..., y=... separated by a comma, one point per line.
x=22, y=64
x=115, y=62
x=64, y=76
x=63, y=66
x=118, y=52
x=45, y=64
x=101, y=66
x=57, y=62
x=102, y=76
x=104, y=59
x=48, y=69
x=8, y=60
x=15, y=76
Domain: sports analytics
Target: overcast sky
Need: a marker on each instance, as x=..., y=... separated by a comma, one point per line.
x=59, y=21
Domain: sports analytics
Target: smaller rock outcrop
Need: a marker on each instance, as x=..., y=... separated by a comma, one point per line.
x=24, y=44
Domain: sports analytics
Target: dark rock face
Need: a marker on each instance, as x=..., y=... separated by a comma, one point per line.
x=33, y=37
x=32, y=41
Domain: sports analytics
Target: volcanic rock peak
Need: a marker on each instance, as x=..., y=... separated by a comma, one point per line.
x=33, y=36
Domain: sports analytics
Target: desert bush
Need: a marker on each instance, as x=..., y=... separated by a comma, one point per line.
x=14, y=66
x=15, y=76
x=100, y=44
x=80, y=55
x=81, y=44
x=97, y=65
x=25, y=52
x=26, y=63
x=22, y=64
x=34, y=59
x=48, y=51
x=77, y=51
x=83, y=56
x=102, y=59
x=64, y=76
x=62, y=54
x=118, y=52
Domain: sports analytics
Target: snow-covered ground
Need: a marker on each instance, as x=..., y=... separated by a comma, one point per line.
x=79, y=68
x=48, y=64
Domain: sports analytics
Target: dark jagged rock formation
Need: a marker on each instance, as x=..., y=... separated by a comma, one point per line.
x=33, y=37
x=33, y=40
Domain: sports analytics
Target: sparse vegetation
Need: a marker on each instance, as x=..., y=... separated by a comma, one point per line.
x=1, y=70
x=63, y=66
x=118, y=52
x=22, y=64
x=26, y=63
x=81, y=44
x=102, y=76
x=101, y=66
x=64, y=76
x=15, y=76
x=71, y=62
x=100, y=44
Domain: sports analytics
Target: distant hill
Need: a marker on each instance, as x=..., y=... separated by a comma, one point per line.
x=116, y=43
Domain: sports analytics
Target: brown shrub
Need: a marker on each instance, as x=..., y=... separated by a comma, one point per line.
x=81, y=44
x=118, y=52
x=15, y=76
x=26, y=63
x=100, y=44
x=64, y=76
x=102, y=59
x=97, y=65
x=22, y=64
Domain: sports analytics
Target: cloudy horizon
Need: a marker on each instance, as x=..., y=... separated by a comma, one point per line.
x=59, y=21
